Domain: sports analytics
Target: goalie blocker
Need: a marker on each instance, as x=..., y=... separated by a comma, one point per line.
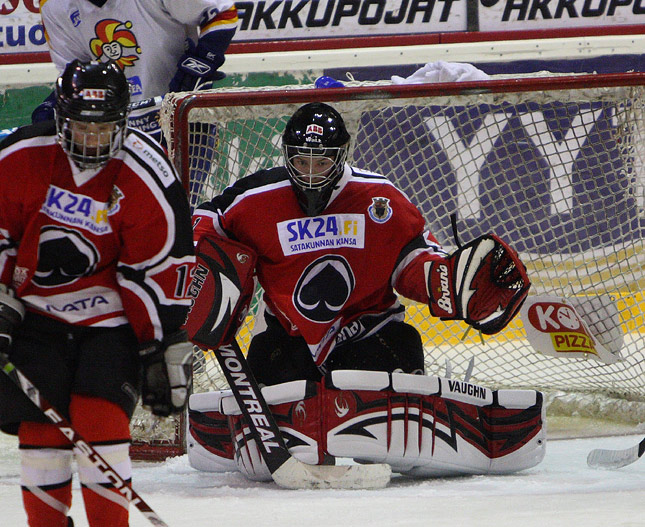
x=223, y=276
x=422, y=426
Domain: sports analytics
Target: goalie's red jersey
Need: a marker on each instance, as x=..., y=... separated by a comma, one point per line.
x=322, y=273
x=95, y=248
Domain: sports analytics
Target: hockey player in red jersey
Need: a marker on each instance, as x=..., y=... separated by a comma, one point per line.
x=330, y=244
x=95, y=252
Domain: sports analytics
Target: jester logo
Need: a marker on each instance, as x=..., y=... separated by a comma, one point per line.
x=380, y=210
x=114, y=41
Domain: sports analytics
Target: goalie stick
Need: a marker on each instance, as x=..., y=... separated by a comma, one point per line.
x=607, y=458
x=286, y=470
x=124, y=489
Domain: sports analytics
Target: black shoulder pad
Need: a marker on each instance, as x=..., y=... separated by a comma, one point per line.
x=43, y=128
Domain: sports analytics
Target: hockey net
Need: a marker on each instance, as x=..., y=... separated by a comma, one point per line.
x=553, y=165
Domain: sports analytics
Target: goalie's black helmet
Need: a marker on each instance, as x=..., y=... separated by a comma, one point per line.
x=97, y=94
x=315, y=144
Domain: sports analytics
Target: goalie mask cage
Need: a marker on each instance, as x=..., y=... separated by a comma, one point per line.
x=553, y=165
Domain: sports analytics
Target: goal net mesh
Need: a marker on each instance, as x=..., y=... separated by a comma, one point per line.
x=555, y=167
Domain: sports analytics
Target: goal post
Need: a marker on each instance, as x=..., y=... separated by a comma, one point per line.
x=554, y=165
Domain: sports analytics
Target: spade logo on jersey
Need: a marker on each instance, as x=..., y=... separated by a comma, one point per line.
x=324, y=288
x=64, y=256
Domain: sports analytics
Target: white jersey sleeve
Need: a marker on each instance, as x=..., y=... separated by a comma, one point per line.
x=64, y=44
x=194, y=12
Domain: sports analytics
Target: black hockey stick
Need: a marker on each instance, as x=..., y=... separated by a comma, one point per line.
x=607, y=458
x=286, y=470
x=123, y=487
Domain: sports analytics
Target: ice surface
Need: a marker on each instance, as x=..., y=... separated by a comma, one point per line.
x=561, y=491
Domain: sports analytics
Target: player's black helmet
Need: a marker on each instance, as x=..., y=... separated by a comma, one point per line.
x=97, y=94
x=315, y=143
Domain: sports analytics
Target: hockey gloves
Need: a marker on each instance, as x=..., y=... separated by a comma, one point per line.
x=483, y=283
x=197, y=68
x=11, y=313
x=45, y=110
x=167, y=374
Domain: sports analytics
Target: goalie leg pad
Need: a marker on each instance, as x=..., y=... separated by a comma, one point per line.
x=422, y=426
x=431, y=426
x=514, y=416
x=208, y=441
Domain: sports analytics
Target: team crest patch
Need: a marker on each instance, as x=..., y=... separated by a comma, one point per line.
x=19, y=276
x=115, y=41
x=380, y=210
x=114, y=200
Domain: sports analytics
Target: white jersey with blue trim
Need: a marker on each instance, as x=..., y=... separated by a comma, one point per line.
x=145, y=37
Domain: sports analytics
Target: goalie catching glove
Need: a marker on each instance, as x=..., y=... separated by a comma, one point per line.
x=483, y=283
x=167, y=379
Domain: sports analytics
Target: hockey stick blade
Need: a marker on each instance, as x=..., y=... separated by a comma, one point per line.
x=611, y=459
x=120, y=485
x=294, y=474
x=286, y=470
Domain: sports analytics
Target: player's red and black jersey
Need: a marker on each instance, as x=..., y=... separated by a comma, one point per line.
x=95, y=248
x=321, y=273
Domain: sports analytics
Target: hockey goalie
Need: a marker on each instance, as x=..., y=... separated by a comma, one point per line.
x=344, y=375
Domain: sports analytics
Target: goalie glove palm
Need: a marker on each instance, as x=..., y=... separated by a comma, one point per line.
x=483, y=283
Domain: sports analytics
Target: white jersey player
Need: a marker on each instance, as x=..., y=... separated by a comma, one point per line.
x=153, y=41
